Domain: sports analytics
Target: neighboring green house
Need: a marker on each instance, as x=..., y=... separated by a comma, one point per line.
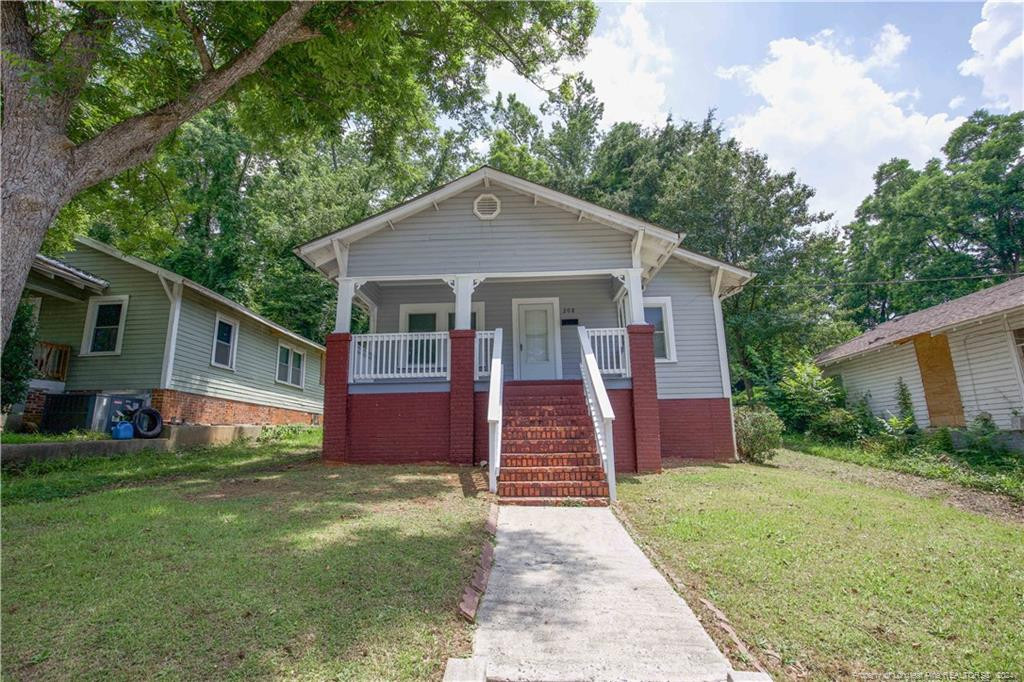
x=115, y=324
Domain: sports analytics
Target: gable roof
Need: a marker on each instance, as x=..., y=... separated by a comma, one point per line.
x=657, y=244
x=992, y=302
x=174, y=277
x=55, y=268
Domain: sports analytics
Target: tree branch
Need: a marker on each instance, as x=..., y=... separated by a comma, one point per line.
x=18, y=46
x=133, y=140
x=78, y=51
x=343, y=22
x=197, y=39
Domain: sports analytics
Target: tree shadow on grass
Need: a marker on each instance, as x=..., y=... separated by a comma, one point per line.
x=149, y=582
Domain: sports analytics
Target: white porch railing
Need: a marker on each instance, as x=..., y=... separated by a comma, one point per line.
x=409, y=355
x=494, y=412
x=611, y=350
x=599, y=406
x=482, y=356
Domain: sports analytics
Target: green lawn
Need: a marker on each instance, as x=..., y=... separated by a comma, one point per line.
x=249, y=561
x=1002, y=473
x=14, y=438
x=837, y=577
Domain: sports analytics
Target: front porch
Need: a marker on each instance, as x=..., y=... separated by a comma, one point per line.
x=453, y=365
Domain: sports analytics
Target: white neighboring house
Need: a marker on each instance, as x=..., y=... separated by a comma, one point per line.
x=959, y=359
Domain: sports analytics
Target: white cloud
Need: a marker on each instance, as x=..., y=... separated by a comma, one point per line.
x=629, y=63
x=826, y=117
x=957, y=102
x=998, y=60
x=891, y=44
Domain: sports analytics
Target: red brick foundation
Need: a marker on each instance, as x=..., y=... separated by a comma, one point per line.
x=34, y=402
x=697, y=427
x=624, y=438
x=646, y=416
x=336, y=405
x=398, y=428
x=178, y=407
x=461, y=407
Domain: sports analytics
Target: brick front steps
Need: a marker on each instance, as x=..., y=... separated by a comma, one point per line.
x=549, y=453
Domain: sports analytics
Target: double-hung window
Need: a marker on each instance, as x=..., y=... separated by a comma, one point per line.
x=290, y=366
x=658, y=312
x=225, y=342
x=104, y=325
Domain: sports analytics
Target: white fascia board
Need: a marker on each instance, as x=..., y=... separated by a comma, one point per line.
x=712, y=263
x=195, y=286
x=976, y=320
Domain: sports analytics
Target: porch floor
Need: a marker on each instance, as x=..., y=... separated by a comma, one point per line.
x=571, y=597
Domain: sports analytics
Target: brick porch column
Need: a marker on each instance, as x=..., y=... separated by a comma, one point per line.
x=460, y=407
x=646, y=420
x=335, y=447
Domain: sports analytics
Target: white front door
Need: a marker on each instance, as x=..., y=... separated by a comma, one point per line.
x=536, y=343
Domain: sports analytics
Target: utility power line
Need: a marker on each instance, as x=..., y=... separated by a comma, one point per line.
x=887, y=282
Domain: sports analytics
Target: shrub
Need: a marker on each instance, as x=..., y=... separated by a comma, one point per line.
x=983, y=438
x=836, y=425
x=803, y=394
x=758, y=433
x=905, y=402
x=897, y=435
x=16, y=366
x=866, y=422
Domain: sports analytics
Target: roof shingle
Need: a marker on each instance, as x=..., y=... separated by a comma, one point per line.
x=992, y=301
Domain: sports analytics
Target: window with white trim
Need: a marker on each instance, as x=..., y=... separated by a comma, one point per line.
x=435, y=317
x=104, y=325
x=291, y=366
x=225, y=342
x=658, y=312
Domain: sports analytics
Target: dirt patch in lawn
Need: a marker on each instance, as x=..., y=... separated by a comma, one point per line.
x=977, y=501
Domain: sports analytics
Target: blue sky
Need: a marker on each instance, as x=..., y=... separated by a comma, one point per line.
x=827, y=89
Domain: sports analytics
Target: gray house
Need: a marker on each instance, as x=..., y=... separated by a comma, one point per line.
x=510, y=323
x=115, y=324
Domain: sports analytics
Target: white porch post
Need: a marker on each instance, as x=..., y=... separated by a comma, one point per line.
x=635, y=292
x=464, y=285
x=343, y=313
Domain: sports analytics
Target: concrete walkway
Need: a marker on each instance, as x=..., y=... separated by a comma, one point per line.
x=571, y=597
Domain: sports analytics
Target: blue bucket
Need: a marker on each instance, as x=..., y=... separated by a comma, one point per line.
x=122, y=431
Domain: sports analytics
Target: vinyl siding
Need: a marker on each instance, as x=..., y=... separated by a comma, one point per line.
x=697, y=372
x=523, y=238
x=589, y=299
x=253, y=380
x=877, y=373
x=986, y=371
x=142, y=350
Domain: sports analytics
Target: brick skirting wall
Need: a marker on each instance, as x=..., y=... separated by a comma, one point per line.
x=35, y=400
x=398, y=428
x=191, y=408
x=622, y=430
x=696, y=427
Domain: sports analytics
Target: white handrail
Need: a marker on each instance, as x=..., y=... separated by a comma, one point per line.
x=600, y=408
x=494, y=413
x=482, y=354
x=611, y=349
x=408, y=355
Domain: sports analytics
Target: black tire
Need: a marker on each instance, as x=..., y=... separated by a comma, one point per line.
x=148, y=423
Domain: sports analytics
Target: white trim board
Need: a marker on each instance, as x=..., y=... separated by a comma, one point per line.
x=236, y=329
x=556, y=322
x=89, y=328
x=665, y=303
x=171, y=340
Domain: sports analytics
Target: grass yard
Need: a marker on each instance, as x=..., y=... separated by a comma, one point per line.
x=825, y=578
x=14, y=438
x=250, y=561
x=1003, y=474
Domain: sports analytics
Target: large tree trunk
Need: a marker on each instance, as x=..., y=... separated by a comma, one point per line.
x=36, y=185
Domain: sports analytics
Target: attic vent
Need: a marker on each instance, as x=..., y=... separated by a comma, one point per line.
x=487, y=207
